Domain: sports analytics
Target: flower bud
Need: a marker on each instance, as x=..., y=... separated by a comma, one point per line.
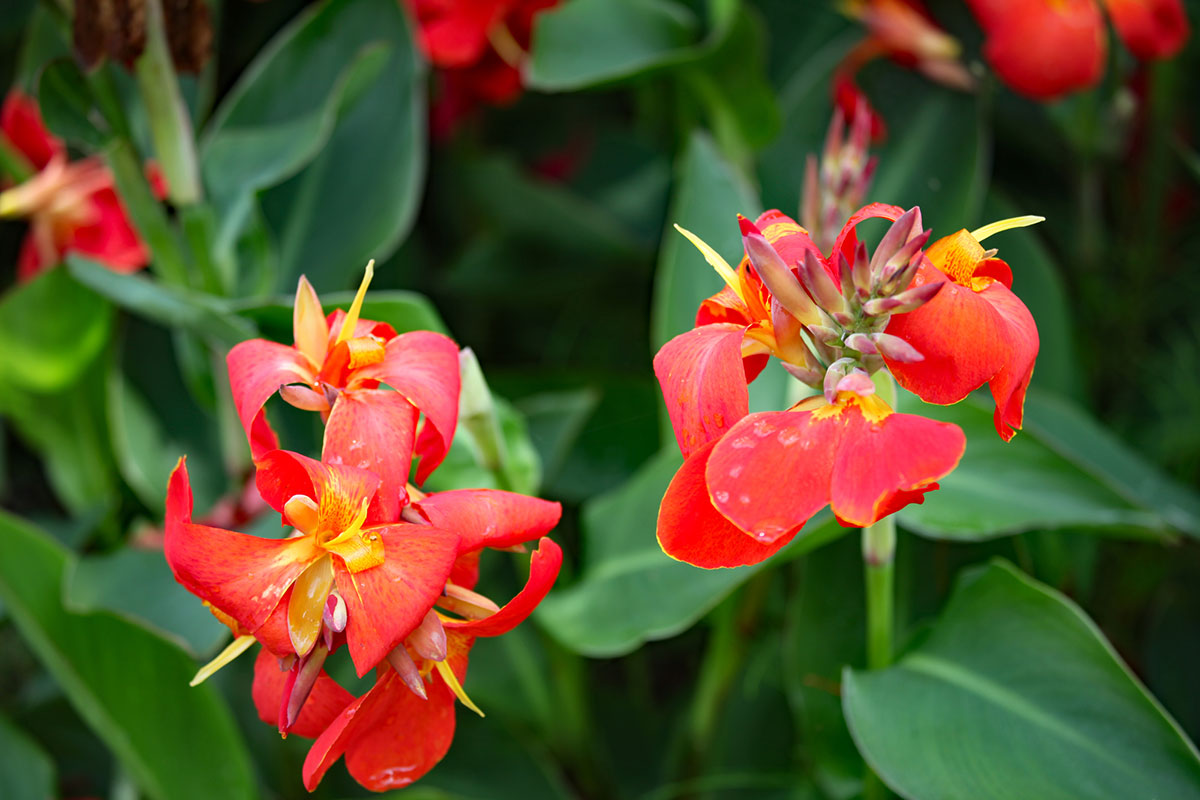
x=896, y=348
x=402, y=662
x=819, y=285
x=429, y=638
x=861, y=342
x=778, y=277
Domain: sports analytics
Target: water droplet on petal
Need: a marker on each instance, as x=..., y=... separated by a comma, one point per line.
x=721, y=497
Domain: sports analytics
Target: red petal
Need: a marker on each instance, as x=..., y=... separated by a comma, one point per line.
x=488, y=517
x=788, y=237
x=21, y=123
x=109, y=238
x=543, y=569
x=1150, y=28
x=386, y=602
x=882, y=466
x=703, y=383
x=423, y=367
x=283, y=474
x=691, y=530
x=257, y=368
x=391, y=737
x=847, y=240
x=1009, y=384
x=771, y=472
x=322, y=707
x=466, y=569
x=1044, y=49
x=244, y=576
x=374, y=429
x=961, y=336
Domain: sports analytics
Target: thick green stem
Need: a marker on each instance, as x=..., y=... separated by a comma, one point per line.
x=170, y=125
x=148, y=215
x=879, y=553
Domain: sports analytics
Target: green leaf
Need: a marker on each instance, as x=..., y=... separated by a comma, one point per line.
x=139, y=442
x=26, y=771
x=589, y=42
x=1072, y=433
x=51, y=328
x=172, y=306
x=629, y=590
x=1016, y=694
x=138, y=586
x=67, y=106
x=1001, y=488
x=130, y=686
x=357, y=199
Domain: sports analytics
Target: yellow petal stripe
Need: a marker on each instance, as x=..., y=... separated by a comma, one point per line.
x=351, y=320
x=999, y=226
x=307, y=604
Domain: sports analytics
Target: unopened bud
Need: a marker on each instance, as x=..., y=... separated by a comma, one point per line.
x=833, y=376
x=857, y=381
x=860, y=269
x=299, y=686
x=806, y=375
x=779, y=278
x=402, y=662
x=896, y=348
x=906, y=301
x=902, y=262
x=895, y=238
x=825, y=335
x=429, y=638
x=336, y=616
x=860, y=342
x=822, y=288
x=303, y=398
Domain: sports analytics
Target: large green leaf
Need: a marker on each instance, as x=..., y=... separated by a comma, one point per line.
x=51, y=328
x=26, y=771
x=1035, y=483
x=130, y=686
x=331, y=113
x=629, y=590
x=588, y=42
x=1016, y=694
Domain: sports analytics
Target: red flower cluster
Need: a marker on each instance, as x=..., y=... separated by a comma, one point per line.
x=72, y=206
x=1047, y=48
x=371, y=562
x=944, y=322
x=479, y=48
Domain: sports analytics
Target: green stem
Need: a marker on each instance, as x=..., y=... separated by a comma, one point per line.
x=13, y=163
x=879, y=554
x=170, y=125
x=148, y=215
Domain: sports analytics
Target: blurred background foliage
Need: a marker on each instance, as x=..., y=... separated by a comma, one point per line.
x=538, y=235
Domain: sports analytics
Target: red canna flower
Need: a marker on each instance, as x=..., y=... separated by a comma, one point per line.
x=824, y=319
x=404, y=724
x=1151, y=29
x=974, y=331
x=72, y=206
x=479, y=47
x=343, y=571
x=336, y=367
x=742, y=497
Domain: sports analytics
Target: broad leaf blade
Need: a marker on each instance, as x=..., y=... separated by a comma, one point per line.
x=130, y=686
x=1016, y=694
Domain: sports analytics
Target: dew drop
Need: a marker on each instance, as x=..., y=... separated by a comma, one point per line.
x=744, y=499
x=722, y=496
x=763, y=428
x=735, y=470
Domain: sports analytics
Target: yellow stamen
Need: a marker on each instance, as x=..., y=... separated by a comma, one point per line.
x=452, y=681
x=999, y=226
x=714, y=258
x=235, y=649
x=351, y=321
x=360, y=551
x=301, y=513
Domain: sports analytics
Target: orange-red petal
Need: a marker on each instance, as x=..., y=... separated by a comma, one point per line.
x=543, y=569
x=21, y=123
x=282, y=474
x=883, y=466
x=243, y=576
x=1150, y=28
x=257, y=368
x=771, y=472
x=703, y=383
x=690, y=529
x=389, y=736
x=489, y=517
x=423, y=367
x=374, y=429
x=1009, y=384
x=386, y=602
x=322, y=707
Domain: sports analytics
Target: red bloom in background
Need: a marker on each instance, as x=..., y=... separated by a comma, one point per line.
x=72, y=206
x=479, y=46
x=404, y=724
x=1047, y=48
x=336, y=366
x=382, y=576
x=974, y=331
x=742, y=497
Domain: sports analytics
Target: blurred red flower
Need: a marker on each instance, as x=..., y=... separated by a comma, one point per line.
x=72, y=206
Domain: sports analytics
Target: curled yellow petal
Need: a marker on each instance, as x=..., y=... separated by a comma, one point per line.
x=1001, y=225
x=351, y=320
x=722, y=267
x=452, y=681
x=235, y=649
